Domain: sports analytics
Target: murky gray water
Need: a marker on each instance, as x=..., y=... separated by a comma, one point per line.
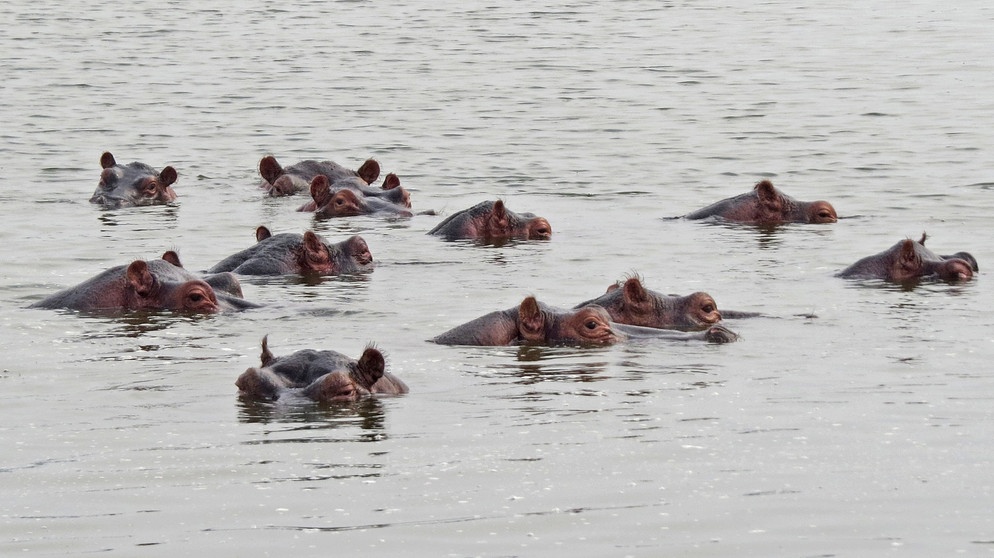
x=856, y=420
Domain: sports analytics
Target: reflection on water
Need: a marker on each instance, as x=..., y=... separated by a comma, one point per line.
x=367, y=413
x=150, y=218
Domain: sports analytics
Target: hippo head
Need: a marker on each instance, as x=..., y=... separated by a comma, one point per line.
x=334, y=203
x=589, y=325
x=501, y=223
x=134, y=184
x=775, y=207
x=392, y=182
x=145, y=291
x=912, y=261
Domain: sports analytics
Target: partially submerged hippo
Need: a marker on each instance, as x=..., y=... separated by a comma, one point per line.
x=766, y=205
x=631, y=303
x=323, y=376
x=533, y=322
x=133, y=184
x=909, y=261
x=327, y=200
x=305, y=254
x=297, y=178
x=491, y=221
x=279, y=181
x=160, y=284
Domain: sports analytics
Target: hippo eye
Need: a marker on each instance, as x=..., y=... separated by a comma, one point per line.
x=591, y=324
x=708, y=308
x=196, y=298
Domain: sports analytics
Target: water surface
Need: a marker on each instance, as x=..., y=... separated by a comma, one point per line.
x=855, y=419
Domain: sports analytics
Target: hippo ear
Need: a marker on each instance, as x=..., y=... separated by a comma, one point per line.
x=765, y=190
x=391, y=181
x=369, y=171
x=107, y=160
x=906, y=253
x=140, y=278
x=498, y=211
x=370, y=368
x=266, y=356
x=320, y=190
x=613, y=287
x=270, y=169
x=172, y=257
x=313, y=246
x=168, y=176
x=530, y=318
x=922, y=241
x=634, y=292
x=262, y=233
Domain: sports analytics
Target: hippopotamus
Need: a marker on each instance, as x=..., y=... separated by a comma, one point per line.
x=133, y=184
x=766, y=205
x=909, y=261
x=161, y=284
x=327, y=200
x=323, y=376
x=631, y=303
x=279, y=181
x=291, y=253
x=533, y=322
x=491, y=221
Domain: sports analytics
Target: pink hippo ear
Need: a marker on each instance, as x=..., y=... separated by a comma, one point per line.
x=908, y=261
x=391, y=181
x=369, y=171
x=766, y=191
x=266, y=355
x=270, y=169
x=531, y=322
x=140, y=278
x=316, y=257
x=498, y=211
x=168, y=176
x=370, y=368
x=320, y=190
x=107, y=160
x=922, y=241
x=613, y=287
x=172, y=257
x=262, y=233
x=634, y=293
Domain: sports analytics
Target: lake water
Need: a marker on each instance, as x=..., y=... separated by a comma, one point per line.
x=855, y=419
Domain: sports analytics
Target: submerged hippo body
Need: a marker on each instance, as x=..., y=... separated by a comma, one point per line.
x=319, y=375
x=329, y=200
x=279, y=181
x=133, y=184
x=533, y=322
x=909, y=261
x=767, y=205
x=491, y=221
x=305, y=254
x=160, y=284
